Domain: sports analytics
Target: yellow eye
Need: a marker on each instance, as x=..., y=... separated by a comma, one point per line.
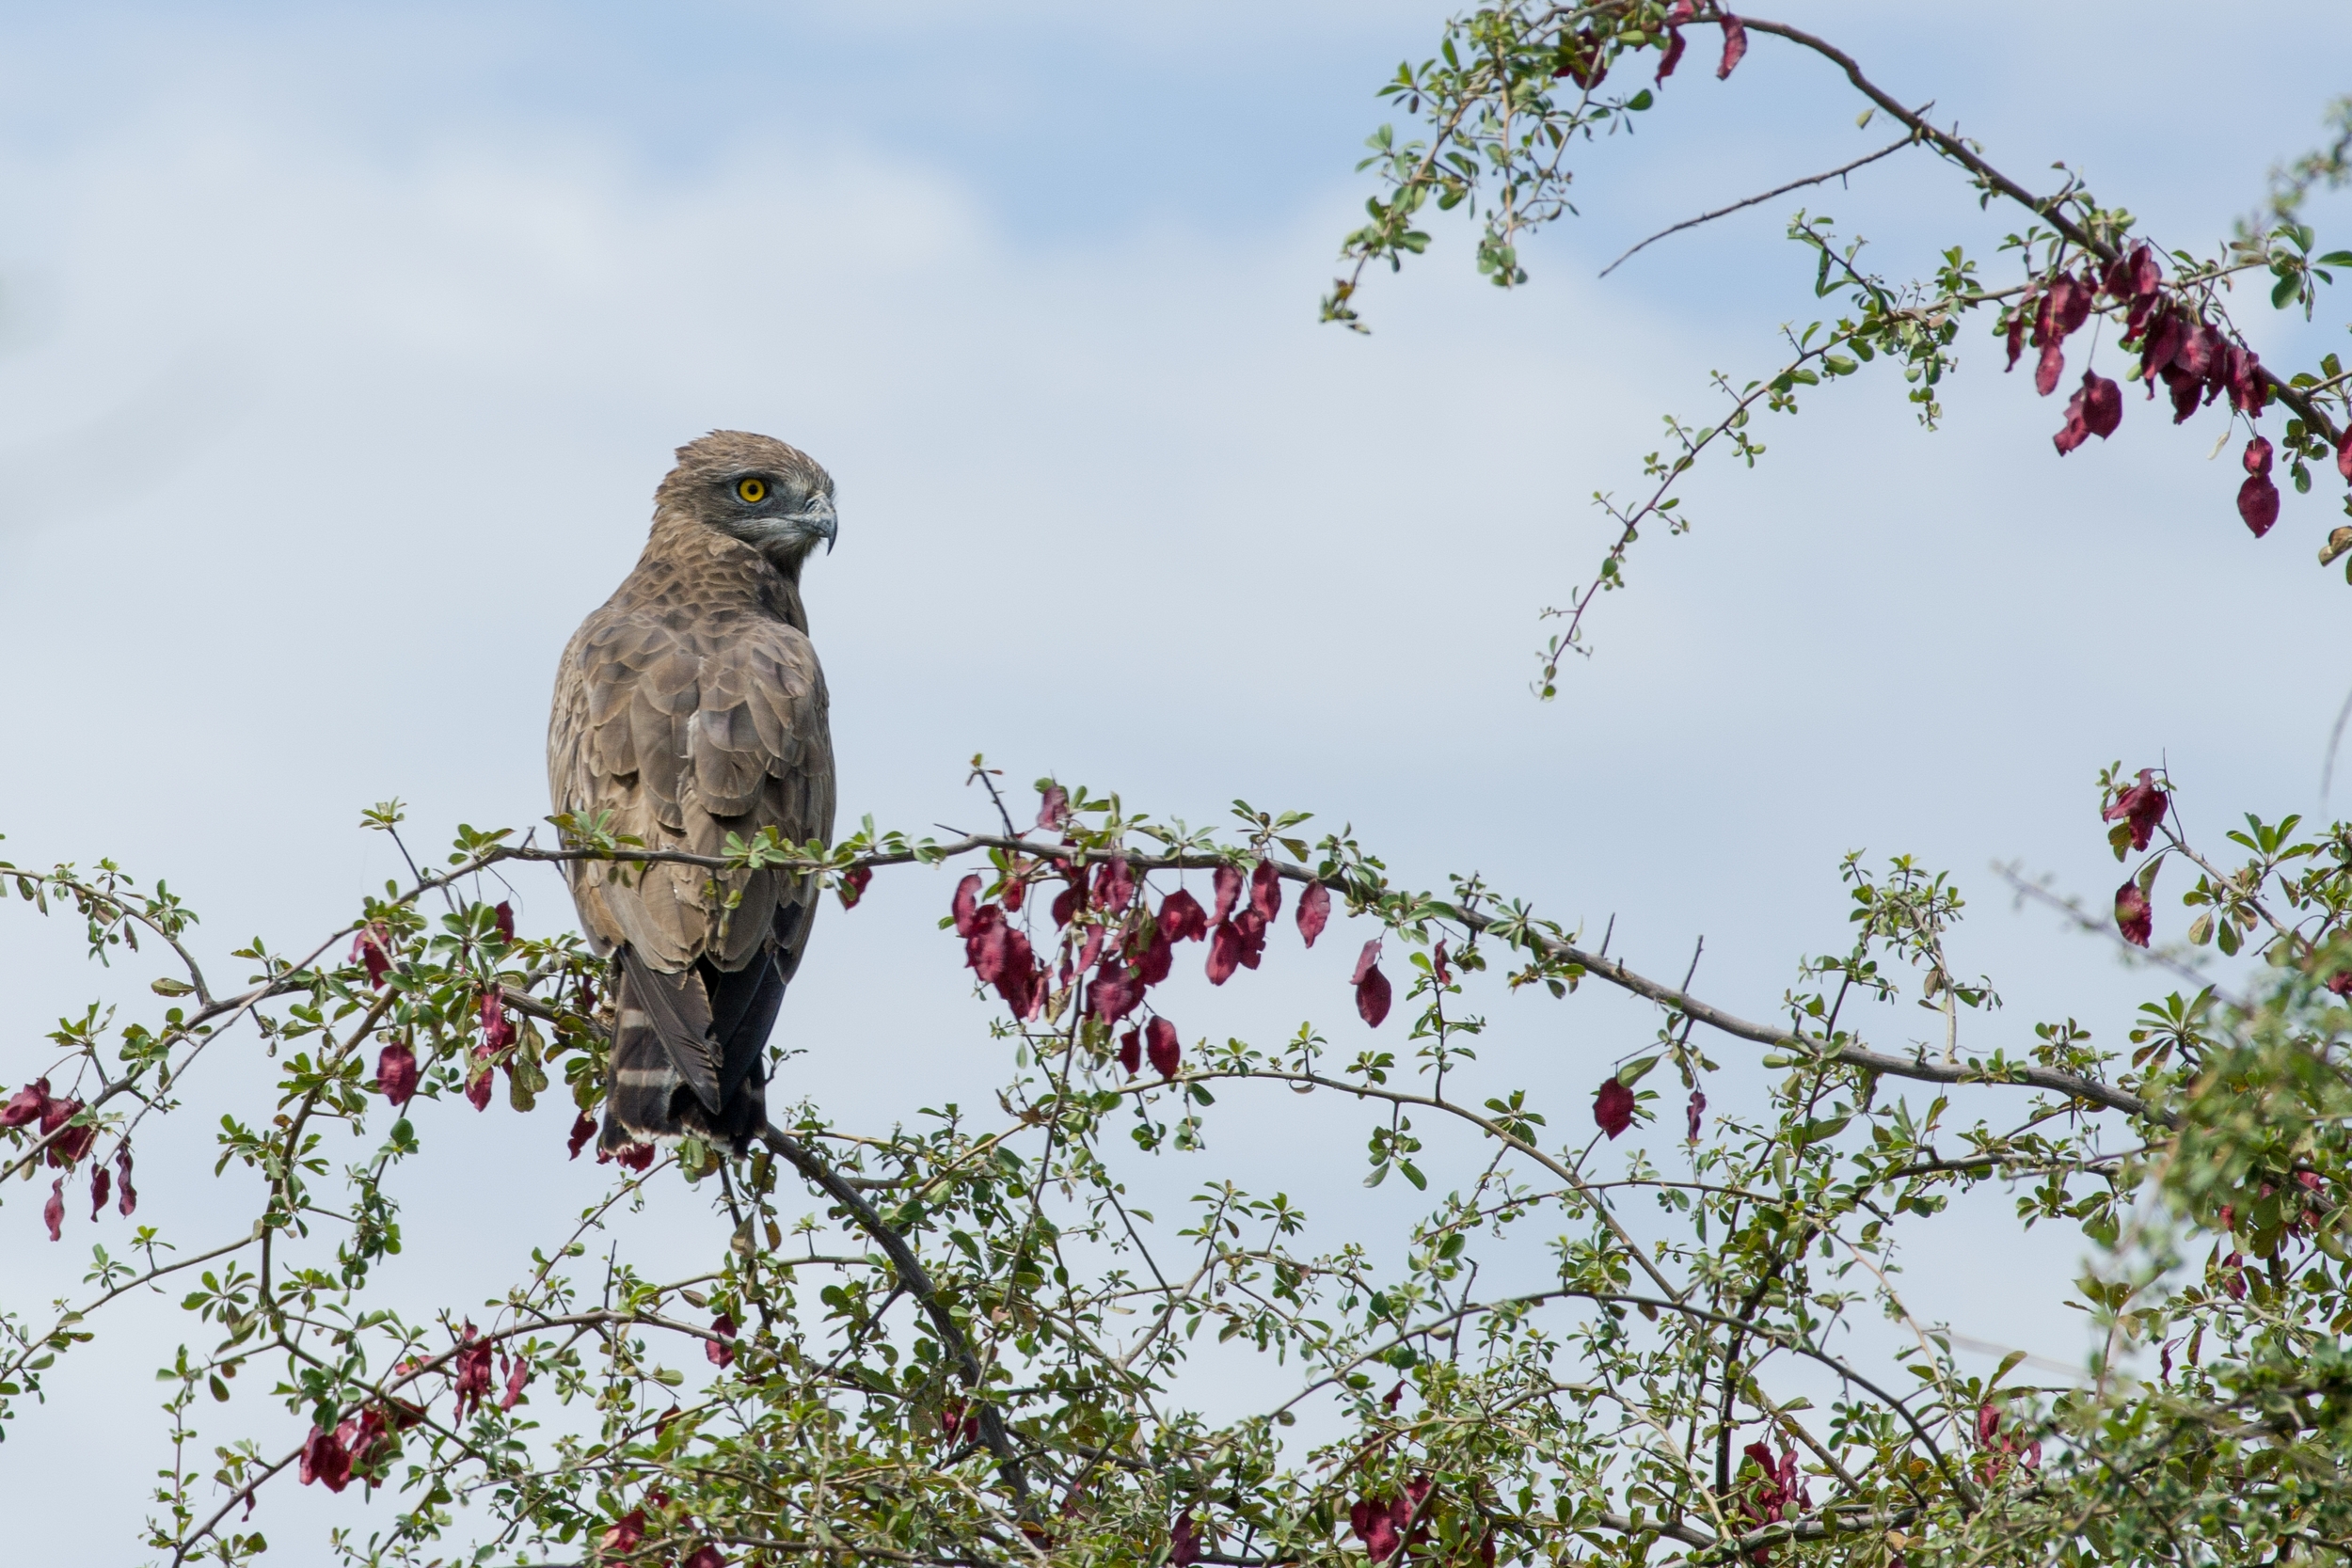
x=751, y=490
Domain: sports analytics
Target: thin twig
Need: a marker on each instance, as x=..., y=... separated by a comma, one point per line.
x=1887, y=150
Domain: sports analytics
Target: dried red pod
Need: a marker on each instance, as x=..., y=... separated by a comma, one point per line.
x=472, y=1367
x=26, y=1105
x=854, y=881
x=1674, y=40
x=1266, y=890
x=719, y=1350
x=1114, y=884
x=1374, y=1523
x=582, y=1129
x=517, y=1373
x=67, y=1143
x=2102, y=405
x=1250, y=926
x=1486, y=1549
x=1224, y=951
x=2143, y=805
x=2160, y=342
x=1065, y=904
x=1053, y=806
x=2258, y=497
x=626, y=1533
x=1161, y=1045
x=325, y=1459
x=368, y=948
x=1091, y=948
x=504, y=917
x=1183, y=1541
x=1158, y=959
x=128, y=1203
x=1181, y=918
x=2095, y=410
x=2184, y=388
x=1697, y=1112
x=498, y=1031
x=100, y=1188
x=1018, y=980
x=1314, y=911
x=2198, y=341
x=1227, y=881
x=2015, y=333
x=2070, y=304
x=1373, y=997
x=2248, y=390
x=1131, y=1051
x=1734, y=46
x=988, y=947
x=636, y=1157
x=706, y=1556
x=1437, y=964
x=966, y=905
x=2051, y=365
x=2073, y=433
x=2133, y=915
x=1613, y=1106
x=52, y=1211
x=396, y=1074
x=1113, y=993
x=478, y=1089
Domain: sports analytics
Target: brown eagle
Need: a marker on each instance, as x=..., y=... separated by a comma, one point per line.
x=691, y=707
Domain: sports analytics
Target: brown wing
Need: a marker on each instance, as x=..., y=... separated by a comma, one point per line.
x=685, y=734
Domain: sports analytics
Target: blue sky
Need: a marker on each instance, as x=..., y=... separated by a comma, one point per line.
x=341, y=348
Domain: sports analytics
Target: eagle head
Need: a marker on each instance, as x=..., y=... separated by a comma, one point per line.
x=774, y=498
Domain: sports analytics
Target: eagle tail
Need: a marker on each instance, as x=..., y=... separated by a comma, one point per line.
x=687, y=1052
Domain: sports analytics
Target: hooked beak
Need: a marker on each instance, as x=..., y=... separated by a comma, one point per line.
x=819, y=517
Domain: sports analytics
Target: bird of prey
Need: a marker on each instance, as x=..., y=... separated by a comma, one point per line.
x=689, y=707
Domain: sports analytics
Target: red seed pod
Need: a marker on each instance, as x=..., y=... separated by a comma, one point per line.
x=129, y=1201
x=1373, y=997
x=720, y=1353
x=1734, y=46
x=854, y=884
x=325, y=1459
x=396, y=1074
x=1613, y=1106
x=1266, y=890
x=966, y=903
x=2258, y=503
x=2142, y=806
x=2134, y=917
x=582, y=1129
x=1227, y=881
x=52, y=1211
x=504, y=915
x=1181, y=918
x=1314, y=911
x=1224, y=951
x=1161, y=1045
x=1131, y=1051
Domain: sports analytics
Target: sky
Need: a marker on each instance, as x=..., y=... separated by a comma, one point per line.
x=341, y=348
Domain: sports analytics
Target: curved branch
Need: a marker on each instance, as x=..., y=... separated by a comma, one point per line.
x=916, y=1281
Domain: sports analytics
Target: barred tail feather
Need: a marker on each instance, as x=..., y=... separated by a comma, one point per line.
x=675, y=1070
